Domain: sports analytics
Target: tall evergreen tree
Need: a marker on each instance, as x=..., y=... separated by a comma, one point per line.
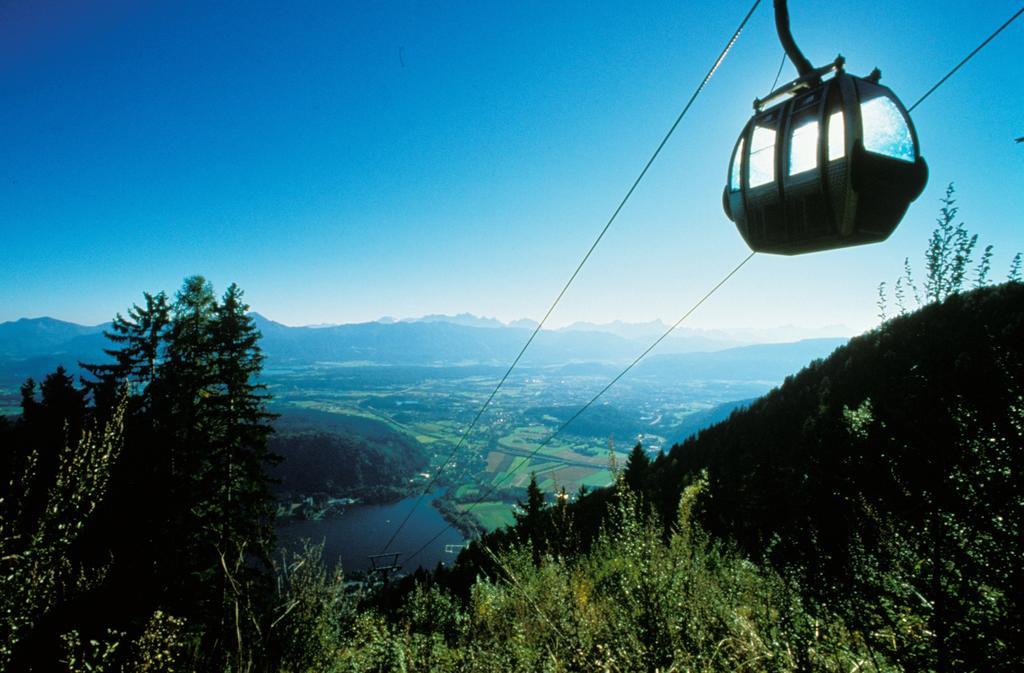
x=237, y=406
x=193, y=471
x=563, y=536
x=185, y=378
x=636, y=468
x=238, y=502
x=189, y=366
x=141, y=338
x=532, y=519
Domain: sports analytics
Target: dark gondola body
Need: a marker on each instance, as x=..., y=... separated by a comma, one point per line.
x=835, y=164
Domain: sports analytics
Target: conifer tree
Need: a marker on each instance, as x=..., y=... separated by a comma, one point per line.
x=185, y=378
x=194, y=463
x=141, y=338
x=237, y=407
x=562, y=525
x=189, y=366
x=636, y=468
x=29, y=404
x=531, y=521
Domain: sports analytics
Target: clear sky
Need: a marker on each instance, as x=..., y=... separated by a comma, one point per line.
x=342, y=161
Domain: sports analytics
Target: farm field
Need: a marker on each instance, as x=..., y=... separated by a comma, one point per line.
x=491, y=514
x=433, y=406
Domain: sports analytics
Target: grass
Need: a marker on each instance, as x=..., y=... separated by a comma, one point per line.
x=466, y=491
x=598, y=479
x=492, y=514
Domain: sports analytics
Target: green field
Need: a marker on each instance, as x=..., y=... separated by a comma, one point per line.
x=492, y=514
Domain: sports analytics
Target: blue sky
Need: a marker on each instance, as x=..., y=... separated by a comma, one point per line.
x=342, y=161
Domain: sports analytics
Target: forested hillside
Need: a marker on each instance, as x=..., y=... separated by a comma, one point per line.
x=886, y=480
x=321, y=451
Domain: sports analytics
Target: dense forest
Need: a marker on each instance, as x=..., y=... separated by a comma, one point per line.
x=354, y=456
x=865, y=515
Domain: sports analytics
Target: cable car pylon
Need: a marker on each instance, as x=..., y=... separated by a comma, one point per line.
x=384, y=565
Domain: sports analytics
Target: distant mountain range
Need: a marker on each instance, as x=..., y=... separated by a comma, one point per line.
x=683, y=338
x=34, y=347
x=466, y=339
x=31, y=337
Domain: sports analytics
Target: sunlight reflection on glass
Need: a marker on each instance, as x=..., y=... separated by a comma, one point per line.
x=762, y=156
x=737, y=164
x=803, y=148
x=836, y=136
x=885, y=129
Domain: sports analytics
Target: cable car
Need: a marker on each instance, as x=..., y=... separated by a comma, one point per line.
x=823, y=163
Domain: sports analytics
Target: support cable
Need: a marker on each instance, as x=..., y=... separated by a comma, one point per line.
x=636, y=183
x=965, y=59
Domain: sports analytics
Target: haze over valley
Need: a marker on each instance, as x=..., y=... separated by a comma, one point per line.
x=370, y=411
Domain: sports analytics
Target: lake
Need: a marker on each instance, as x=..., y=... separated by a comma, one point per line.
x=364, y=529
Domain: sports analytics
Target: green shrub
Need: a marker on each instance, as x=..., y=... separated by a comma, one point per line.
x=634, y=603
x=37, y=575
x=313, y=614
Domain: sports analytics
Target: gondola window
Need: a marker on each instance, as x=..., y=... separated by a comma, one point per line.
x=737, y=167
x=803, y=147
x=885, y=130
x=836, y=136
x=762, y=156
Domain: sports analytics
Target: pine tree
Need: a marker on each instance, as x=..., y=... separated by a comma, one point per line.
x=531, y=521
x=189, y=365
x=563, y=535
x=197, y=449
x=237, y=406
x=185, y=377
x=636, y=468
x=29, y=404
x=139, y=523
x=141, y=338
x=215, y=410
x=189, y=496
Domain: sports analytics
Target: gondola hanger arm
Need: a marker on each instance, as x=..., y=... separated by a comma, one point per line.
x=800, y=62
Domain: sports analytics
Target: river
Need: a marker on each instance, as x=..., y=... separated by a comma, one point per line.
x=363, y=530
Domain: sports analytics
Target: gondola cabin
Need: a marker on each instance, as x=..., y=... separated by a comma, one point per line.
x=835, y=164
